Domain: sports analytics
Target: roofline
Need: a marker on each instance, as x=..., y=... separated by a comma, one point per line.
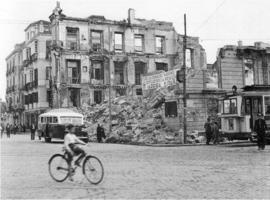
x=36, y=22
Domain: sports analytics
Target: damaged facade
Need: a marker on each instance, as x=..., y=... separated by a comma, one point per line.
x=91, y=55
x=243, y=65
x=82, y=61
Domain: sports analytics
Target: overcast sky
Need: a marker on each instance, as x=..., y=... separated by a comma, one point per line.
x=215, y=22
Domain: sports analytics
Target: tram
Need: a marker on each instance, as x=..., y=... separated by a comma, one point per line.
x=238, y=112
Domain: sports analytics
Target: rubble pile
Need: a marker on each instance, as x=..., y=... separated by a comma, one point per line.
x=134, y=121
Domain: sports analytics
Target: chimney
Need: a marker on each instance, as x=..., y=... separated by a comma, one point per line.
x=131, y=15
x=240, y=43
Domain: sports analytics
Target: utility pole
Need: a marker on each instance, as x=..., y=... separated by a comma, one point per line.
x=110, y=104
x=184, y=82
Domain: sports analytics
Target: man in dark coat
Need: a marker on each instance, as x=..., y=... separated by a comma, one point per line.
x=100, y=133
x=33, y=130
x=260, y=128
x=8, y=130
x=208, y=130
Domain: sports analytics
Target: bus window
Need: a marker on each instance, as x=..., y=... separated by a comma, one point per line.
x=54, y=120
x=267, y=105
x=49, y=119
x=42, y=119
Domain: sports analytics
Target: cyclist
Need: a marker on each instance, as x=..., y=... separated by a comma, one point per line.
x=71, y=142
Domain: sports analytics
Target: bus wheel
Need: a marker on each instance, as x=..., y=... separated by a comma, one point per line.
x=47, y=139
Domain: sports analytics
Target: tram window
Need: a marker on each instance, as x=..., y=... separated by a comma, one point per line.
x=267, y=105
x=227, y=106
x=230, y=106
x=247, y=106
x=231, y=124
x=257, y=106
x=220, y=106
x=233, y=106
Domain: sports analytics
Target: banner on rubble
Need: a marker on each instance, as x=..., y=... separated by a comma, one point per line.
x=160, y=80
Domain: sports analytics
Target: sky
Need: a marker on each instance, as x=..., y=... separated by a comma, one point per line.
x=215, y=22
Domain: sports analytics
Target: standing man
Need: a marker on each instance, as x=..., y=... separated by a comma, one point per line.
x=8, y=130
x=260, y=128
x=33, y=130
x=215, y=133
x=208, y=131
x=99, y=137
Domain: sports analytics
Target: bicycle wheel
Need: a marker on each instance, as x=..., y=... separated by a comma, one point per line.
x=93, y=169
x=58, y=167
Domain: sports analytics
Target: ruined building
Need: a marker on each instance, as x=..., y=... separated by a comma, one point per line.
x=243, y=65
x=91, y=55
x=73, y=62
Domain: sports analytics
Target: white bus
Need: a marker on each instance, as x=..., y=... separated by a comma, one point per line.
x=52, y=124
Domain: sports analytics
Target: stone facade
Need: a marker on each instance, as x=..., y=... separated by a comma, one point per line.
x=26, y=75
x=243, y=65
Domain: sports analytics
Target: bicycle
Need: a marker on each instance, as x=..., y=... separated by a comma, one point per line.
x=60, y=168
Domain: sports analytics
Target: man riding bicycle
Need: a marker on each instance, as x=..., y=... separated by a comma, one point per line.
x=71, y=142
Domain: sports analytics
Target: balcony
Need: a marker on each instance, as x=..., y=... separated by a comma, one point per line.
x=35, y=84
x=72, y=45
x=74, y=80
x=34, y=57
x=26, y=63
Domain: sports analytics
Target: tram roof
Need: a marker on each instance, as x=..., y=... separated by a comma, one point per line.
x=61, y=112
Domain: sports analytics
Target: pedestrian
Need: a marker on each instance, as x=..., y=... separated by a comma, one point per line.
x=208, y=131
x=215, y=133
x=99, y=138
x=260, y=128
x=33, y=130
x=8, y=130
x=15, y=129
x=1, y=130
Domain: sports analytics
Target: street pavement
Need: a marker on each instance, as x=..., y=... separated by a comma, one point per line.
x=206, y=172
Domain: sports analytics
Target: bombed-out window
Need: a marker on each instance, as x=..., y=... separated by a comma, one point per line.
x=120, y=92
x=139, y=91
x=171, y=109
x=118, y=42
x=162, y=66
x=119, y=72
x=96, y=40
x=139, y=71
x=72, y=38
x=97, y=96
x=160, y=41
x=97, y=71
x=139, y=43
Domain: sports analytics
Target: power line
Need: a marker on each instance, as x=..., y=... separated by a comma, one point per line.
x=210, y=16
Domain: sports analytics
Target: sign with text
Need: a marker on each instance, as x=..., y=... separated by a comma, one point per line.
x=163, y=79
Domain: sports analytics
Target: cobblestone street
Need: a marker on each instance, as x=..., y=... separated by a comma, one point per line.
x=225, y=171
